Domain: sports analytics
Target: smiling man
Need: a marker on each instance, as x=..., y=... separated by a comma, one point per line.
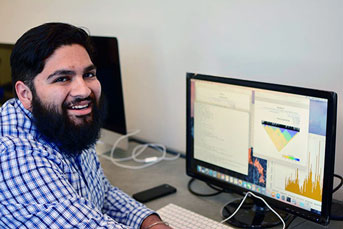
x=50, y=176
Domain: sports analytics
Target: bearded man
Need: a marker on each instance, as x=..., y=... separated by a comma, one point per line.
x=50, y=176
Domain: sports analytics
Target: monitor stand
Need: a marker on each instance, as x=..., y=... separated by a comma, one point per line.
x=336, y=210
x=106, y=141
x=252, y=214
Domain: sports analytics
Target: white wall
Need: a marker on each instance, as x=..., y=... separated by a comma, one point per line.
x=295, y=42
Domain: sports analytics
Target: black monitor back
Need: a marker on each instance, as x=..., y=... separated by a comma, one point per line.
x=106, y=59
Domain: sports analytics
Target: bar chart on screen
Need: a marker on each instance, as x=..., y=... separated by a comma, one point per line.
x=311, y=183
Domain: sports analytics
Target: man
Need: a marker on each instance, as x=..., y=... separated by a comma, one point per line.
x=50, y=176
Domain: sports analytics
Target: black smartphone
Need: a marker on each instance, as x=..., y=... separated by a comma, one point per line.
x=154, y=193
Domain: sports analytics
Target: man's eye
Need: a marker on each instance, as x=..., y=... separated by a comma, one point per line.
x=89, y=75
x=61, y=79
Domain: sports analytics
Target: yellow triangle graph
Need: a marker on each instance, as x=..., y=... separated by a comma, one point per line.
x=279, y=136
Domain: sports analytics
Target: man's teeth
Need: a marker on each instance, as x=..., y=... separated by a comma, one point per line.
x=79, y=107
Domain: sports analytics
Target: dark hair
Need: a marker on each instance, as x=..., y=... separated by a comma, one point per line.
x=36, y=45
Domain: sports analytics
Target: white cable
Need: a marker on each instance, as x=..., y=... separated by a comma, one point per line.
x=234, y=213
x=137, y=150
x=258, y=197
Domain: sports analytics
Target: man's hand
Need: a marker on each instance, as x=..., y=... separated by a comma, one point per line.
x=154, y=222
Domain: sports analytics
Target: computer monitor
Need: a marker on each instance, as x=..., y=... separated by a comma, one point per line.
x=275, y=141
x=106, y=59
x=6, y=91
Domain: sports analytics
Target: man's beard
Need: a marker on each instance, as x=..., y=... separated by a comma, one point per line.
x=61, y=130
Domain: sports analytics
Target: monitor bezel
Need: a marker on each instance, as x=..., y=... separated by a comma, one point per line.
x=329, y=161
x=105, y=54
x=9, y=47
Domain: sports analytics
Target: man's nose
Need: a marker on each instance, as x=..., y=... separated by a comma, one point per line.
x=80, y=88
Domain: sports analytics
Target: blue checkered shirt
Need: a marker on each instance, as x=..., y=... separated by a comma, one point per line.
x=40, y=187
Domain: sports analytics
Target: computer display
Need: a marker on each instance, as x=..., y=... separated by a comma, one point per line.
x=5, y=73
x=106, y=60
x=273, y=140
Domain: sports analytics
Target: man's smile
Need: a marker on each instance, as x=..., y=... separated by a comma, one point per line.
x=80, y=108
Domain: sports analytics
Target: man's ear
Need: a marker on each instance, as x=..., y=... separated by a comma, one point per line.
x=24, y=94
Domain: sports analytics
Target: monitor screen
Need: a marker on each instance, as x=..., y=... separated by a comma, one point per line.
x=273, y=140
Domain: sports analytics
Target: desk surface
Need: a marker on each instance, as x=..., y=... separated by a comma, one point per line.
x=173, y=173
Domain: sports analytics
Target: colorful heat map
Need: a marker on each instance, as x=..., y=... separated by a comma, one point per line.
x=280, y=136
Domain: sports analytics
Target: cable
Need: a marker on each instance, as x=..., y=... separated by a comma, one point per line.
x=169, y=151
x=200, y=194
x=258, y=197
x=137, y=150
x=340, y=184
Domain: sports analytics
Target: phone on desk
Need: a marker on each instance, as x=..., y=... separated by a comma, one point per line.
x=154, y=193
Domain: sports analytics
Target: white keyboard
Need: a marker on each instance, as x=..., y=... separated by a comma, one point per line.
x=181, y=218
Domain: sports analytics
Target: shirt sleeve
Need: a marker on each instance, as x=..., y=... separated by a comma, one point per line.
x=121, y=207
x=35, y=193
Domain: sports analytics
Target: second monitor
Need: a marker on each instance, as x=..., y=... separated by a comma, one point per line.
x=273, y=140
x=106, y=60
